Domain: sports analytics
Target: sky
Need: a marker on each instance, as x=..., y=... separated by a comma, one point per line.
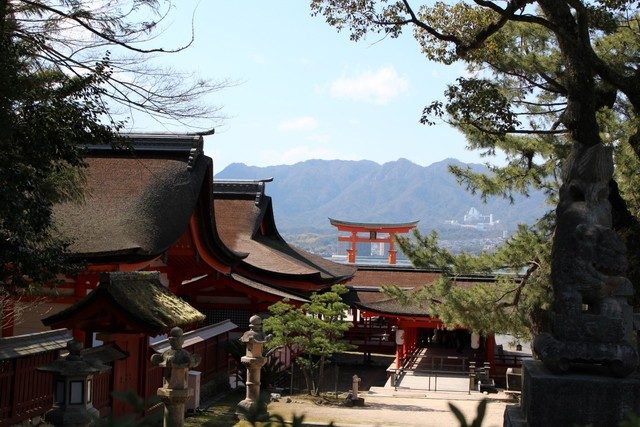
x=304, y=91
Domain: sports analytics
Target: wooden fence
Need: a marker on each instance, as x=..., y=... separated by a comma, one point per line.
x=25, y=392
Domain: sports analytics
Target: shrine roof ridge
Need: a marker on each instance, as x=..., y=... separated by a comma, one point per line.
x=38, y=342
x=469, y=277
x=240, y=188
x=152, y=143
x=266, y=288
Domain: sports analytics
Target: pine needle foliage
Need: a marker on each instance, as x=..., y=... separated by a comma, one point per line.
x=314, y=331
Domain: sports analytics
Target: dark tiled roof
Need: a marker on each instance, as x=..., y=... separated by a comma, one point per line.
x=408, y=277
x=138, y=201
x=141, y=296
x=378, y=302
x=40, y=342
x=403, y=277
x=392, y=306
x=245, y=224
x=267, y=289
x=365, y=288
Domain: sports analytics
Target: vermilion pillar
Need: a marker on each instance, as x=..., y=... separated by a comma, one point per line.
x=353, y=251
x=392, y=249
x=80, y=291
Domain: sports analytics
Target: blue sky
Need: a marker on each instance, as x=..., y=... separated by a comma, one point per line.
x=306, y=91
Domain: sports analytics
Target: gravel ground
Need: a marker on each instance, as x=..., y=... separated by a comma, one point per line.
x=397, y=410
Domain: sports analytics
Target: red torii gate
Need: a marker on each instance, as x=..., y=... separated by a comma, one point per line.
x=389, y=231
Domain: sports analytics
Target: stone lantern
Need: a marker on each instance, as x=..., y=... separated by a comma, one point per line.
x=73, y=388
x=175, y=390
x=254, y=339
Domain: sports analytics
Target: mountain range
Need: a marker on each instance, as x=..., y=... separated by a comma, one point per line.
x=306, y=194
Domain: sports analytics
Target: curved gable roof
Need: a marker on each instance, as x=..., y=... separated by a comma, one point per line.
x=244, y=215
x=138, y=200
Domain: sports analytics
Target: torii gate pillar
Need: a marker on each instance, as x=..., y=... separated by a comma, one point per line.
x=352, y=252
x=392, y=249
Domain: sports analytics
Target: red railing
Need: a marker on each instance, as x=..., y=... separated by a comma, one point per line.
x=102, y=393
x=25, y=392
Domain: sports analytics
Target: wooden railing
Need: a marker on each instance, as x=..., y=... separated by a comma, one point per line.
x=102, y=393
x=371, y=338
x=25, y=392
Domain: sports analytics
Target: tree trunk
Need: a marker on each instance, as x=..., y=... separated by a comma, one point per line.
x=306, y=371
x=321, y=375
x=627, y=226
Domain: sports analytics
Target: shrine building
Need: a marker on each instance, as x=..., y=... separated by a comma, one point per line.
x=154, y=206
x=151, y=205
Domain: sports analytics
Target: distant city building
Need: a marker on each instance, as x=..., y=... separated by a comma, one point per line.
x=475, y=219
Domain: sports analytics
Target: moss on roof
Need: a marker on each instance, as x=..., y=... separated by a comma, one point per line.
x=142, y=297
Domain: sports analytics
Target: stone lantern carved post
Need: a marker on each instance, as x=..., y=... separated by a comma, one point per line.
x=592, y=321
x=175, y=391
x=254, y=339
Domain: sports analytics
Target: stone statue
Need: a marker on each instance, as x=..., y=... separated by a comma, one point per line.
x=254, y=339
x=591, y=320
x=175, y=391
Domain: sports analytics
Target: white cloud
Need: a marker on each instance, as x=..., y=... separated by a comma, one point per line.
x=318, y=137
x=305, y=123
x=377, y=87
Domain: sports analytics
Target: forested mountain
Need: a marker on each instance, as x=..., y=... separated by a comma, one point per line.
x=307, y=193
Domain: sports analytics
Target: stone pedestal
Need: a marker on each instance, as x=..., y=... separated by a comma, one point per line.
x=252, y=407
x=174, y=405
x=354, y=399
x=572, y=399
x=175, y=387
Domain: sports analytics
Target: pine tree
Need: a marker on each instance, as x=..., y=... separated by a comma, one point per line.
x=544, y=78
x=314, y=331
